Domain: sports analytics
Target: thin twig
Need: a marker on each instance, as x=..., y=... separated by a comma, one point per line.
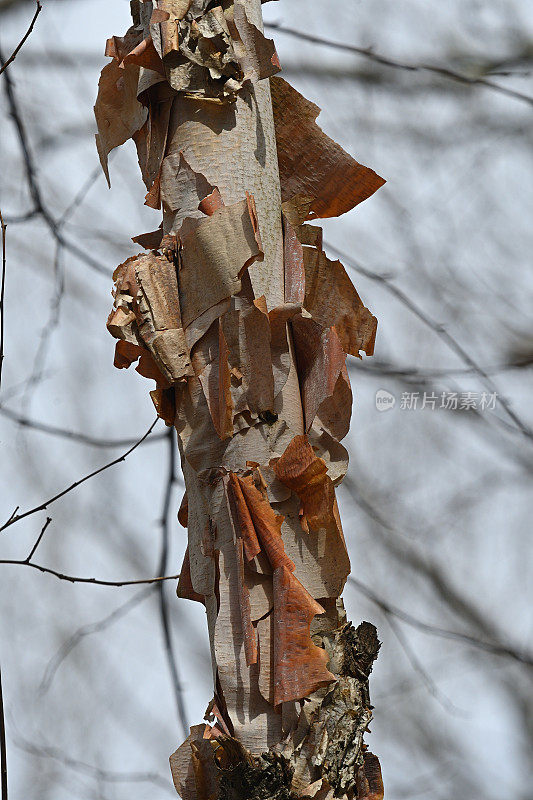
x=3, y=752
x=389, y=370
x=74, y=579
x=2, y=294
x=15, y=52
x=366, y=52
x=163, y=565
x=15, y=517
x=441, y=332
x=38, y=542
x=76, y=436
x=434, y=630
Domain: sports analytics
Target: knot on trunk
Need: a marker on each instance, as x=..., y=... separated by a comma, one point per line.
x=269, y=777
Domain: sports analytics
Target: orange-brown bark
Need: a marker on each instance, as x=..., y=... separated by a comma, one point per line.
x=244, y=324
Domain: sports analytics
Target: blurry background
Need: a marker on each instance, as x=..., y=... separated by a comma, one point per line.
x=437, y=504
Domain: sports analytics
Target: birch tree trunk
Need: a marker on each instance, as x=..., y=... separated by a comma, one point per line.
x=237, y=314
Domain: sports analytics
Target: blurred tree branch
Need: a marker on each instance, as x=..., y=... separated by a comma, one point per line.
x=86, y=630
x=39, y=206
x=74, y=579
x=109, y=776
x=15, y=52
x=163, y=566
x=366, y=52
x=441, y=332
x=435, y=630
x=15, y=517
x=76, y=436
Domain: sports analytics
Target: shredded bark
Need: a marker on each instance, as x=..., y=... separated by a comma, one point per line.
x=244, y=324
x=268, y=778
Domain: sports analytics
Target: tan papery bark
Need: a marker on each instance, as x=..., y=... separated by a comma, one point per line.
x=244, y=324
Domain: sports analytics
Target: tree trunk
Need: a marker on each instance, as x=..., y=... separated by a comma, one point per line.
x=244, y=324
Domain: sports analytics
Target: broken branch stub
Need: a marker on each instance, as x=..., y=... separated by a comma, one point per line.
x=244, y=324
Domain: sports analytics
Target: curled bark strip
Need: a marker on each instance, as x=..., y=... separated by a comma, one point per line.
x=147, y=312
x=260, y=52
x=281, y=355
x=300, y=667
x=164, y=401
x=151, y=240
x=182, y=768
x=151, y=139
x=324, y=381
x=267, y=524
x=369, y=780
x=211, y=365
x=145, y=55
x=211, y=203
x=205, y=773
x=185, y=588
x=293, y=258
x=152, y=198
x=249, y=635
x=118, y=112
x=247, y=331
x=225, y=412
x=242, y=517
x=214, y=714
x=297, y=209
x=304, y=473
x=127, y=353
x=118, y=47
x=312, y=164
x=183, y=512
x=214, y=253
x=331, y=299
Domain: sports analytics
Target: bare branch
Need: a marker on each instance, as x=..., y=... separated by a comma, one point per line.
x=86, y=630
x=40, y=206
x=441, y=332
x=111, y=776
x=15, y=52
x=16, y=517
x=465, y=638
x=163, y=606
x=76, y=436
x=38, y=542
x=74, y=579
x=40, y=357
x=391, y=370
x=413, y=659
x=366, y=52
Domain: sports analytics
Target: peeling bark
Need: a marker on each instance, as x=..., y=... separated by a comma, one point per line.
x=244, y=324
